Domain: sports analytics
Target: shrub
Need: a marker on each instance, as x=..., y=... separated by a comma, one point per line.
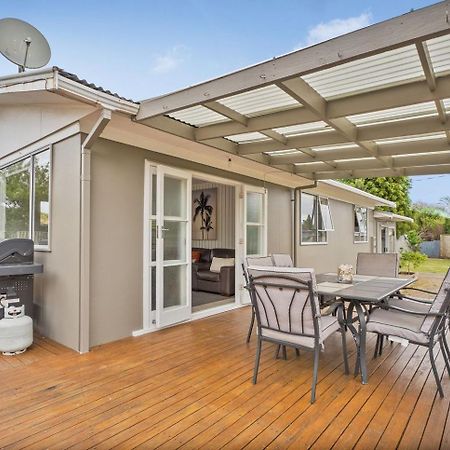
x=447, y=226
x=412, y=260
x=414, y=240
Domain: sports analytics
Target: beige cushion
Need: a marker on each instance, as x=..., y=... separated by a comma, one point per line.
x=260, y=261
x=282, y=260
x=396, y=323
x=410, y=305
x=377, y=264
x=218, y=263
x=329, y=325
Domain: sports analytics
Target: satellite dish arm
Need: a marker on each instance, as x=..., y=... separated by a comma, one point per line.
x=27, y=43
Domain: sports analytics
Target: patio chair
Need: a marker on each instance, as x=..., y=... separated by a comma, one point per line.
x=255, y=261
x=377, y=264
x=380, y=265
x=423, y=327
x=288, y=314
x=282, y=260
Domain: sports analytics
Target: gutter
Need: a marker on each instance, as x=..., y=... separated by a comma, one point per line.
x=104, y=118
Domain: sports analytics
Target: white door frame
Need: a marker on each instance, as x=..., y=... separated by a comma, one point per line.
x=241, y=190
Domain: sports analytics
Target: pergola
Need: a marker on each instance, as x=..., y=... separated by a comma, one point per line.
x=374, y=102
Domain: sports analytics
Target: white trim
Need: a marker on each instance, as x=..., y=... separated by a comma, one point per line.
x=317, y=198
x=367, y=224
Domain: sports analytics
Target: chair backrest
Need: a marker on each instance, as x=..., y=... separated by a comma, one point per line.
x=377, y=264
x=441, y=304
x=282, y=260
x=259, y=261
x=285, y=300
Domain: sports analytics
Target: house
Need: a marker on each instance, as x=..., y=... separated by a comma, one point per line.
x=105, y=186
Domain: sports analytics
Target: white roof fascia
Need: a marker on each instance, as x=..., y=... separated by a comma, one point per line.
x=379, y=201
x=52, y=81
x=388, y=216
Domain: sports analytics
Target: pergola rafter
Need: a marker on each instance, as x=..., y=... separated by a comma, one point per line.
x=372, y=101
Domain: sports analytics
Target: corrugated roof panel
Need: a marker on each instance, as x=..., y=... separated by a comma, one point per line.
x=198, y=116
x=416, y=137
x=439, y=50
x=247, y=137
x=292, y=151
x=260, y=101
x=334, y=147
x=388, y=115
x=388, y=68
x=446, y=104
x=304, y=128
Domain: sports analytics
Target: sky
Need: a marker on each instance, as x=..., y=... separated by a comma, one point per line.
x=141, y=49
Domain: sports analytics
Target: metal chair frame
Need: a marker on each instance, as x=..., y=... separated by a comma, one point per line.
x=294, y=285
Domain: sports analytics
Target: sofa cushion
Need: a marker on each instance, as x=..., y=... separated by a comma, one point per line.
x=205, y=254
x=218, y=263
x=206, y=275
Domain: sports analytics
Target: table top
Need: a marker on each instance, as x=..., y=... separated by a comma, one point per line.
x=363, y=288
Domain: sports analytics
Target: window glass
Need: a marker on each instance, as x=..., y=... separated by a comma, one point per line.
x=15, y=200
x=20, y=183
x=360, y=224
x=41, y=197
x=254, y=207
x=315, y=219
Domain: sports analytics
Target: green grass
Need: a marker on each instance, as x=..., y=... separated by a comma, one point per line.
x=434, y=265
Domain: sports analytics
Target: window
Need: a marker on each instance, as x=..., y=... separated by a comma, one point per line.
x=316, y=219
x=255, y=224
x=25, y=199
x=360, y=224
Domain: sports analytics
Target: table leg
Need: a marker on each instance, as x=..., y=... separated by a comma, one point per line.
x=359, y=336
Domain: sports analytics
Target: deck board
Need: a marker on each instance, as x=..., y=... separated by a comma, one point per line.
x=190, y=387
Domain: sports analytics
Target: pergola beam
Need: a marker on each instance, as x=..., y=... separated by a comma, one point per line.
x=421, y=24
x=383, y=172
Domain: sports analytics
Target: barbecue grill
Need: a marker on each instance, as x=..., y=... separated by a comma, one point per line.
x=17, y=269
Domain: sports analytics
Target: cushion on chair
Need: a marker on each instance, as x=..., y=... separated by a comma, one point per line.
x=329, y=325
x=410, y=305
x=377, y=264
x=218, y=263
x=396, y=323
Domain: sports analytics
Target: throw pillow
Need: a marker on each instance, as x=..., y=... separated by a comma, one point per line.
x=218, y=263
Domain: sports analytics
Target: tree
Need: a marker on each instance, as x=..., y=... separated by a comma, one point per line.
x=445, y=202
x=395, y=189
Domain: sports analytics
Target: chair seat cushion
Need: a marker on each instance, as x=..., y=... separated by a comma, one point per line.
x=206, y=275
x=411, y=305
x=396, y=323
x=330, y=324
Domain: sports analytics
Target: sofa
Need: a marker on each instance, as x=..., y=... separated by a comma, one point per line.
x=204, y=280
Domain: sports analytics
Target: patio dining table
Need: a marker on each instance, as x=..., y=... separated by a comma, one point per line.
x=364, y=291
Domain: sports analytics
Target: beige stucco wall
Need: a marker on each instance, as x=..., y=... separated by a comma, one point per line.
x=340, y=248
x=57, y=290
x=279, y=220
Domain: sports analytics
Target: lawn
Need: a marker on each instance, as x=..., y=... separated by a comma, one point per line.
x=434, y=265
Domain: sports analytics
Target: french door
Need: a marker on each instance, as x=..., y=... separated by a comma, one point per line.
x=169, y=249
x=255, y=225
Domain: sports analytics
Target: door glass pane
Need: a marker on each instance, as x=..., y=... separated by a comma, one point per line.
x=153, y=194
x=41, y=197
x=153, y=244
x=174, y=197
x=174, y=240
x=153, y=284
x=15, y=200
x=254, y=207
x=254, y=240
x=175, y=289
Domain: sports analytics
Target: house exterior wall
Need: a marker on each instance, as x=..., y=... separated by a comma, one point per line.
x=340, y=248
x=57, y=290
x=279, y=220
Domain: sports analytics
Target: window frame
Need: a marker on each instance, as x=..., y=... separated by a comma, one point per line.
x=31, y=230
x=317, y=211
x=355, y=217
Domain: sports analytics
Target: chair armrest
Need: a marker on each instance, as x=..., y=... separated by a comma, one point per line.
x=227, y=280
x=419, y=290
x=415, y=300
x=415, y=313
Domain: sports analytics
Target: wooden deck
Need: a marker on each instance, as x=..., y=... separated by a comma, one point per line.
x=190, y=387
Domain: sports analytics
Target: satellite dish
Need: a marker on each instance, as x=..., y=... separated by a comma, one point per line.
x=22, y=44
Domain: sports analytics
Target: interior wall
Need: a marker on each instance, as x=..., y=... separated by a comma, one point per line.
x=225, y=223
x=57, y=290
x=340, y=248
